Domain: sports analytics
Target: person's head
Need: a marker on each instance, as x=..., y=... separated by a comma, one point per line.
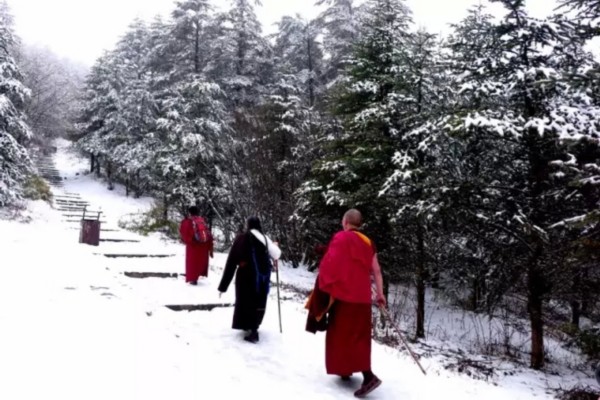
x=352, y=219
x=194, y=211
x=254, y=223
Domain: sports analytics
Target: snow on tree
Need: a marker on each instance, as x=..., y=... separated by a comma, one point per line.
x=55, y=85
x=190, y=36
x=369, y=103
x=288, y=123
x=15, y=164
x=341, y=27
x=515, y=113
x=240, y=55
x=419, y=159
x=137, y=110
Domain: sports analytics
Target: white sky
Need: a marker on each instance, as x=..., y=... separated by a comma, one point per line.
x=82, y=29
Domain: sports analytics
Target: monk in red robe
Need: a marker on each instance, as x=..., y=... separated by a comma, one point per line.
x=343, y=298
x=197, y=251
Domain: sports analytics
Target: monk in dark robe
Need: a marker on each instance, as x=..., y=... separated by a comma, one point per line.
x=196, y=253
x=341, y=302
x=251, y=256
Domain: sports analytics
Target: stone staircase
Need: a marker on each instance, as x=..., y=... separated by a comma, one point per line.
x=47, y=169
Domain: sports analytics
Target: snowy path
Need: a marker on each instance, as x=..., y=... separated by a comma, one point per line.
x=73, y=326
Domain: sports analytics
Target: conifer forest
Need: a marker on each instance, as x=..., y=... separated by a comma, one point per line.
x=474, y=156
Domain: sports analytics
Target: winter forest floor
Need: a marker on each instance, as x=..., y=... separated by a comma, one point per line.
x=75, y=326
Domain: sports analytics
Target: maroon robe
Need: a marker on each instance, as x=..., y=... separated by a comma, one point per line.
x=345, y=274
x=196, y=254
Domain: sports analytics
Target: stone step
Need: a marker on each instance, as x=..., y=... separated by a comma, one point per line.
x=101, y=230
x=143, y=275
x=79, y=220
x=135, y=255
x=120, y=240
x=72, y=201
x=197, y=307
x=91, y=212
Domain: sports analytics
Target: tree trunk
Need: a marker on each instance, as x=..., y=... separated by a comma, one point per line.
x=474, y=299
x=92, y=162
x=420, y=333
x=165, y=208
x=311, y=81
x=575, y=313
x=535, y=290
x=435, y=277
x=576, y=303
x=109, y=175
x=197, y=49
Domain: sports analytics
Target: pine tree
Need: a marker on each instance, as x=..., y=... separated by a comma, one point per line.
x=100, y=106
x=369, y=102
x=55, y=84
x=511, y=122
x=240, y=63
x=137, y=110
x=190, y=36
x=468, y=158
x=15, y=164
x=420, y=157
x=192, y=126
x=288, y=126
x=240, y=55
x=341, y=25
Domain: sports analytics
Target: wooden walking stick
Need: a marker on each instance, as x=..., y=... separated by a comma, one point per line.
x=393, y=323
x=412, y=354
x=278, y=296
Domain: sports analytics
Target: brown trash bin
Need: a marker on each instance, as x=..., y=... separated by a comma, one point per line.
x=90, y=232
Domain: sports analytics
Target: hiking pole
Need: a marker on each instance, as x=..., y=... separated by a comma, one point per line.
x=412, y=354
x=395, y=326
x=278, y=297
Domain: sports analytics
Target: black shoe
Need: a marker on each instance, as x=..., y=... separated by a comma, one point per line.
x=193, y=283
x=346, y=378
x=367, y=387
x=252, y=337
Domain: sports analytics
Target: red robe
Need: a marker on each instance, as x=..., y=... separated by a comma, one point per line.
x=196, y=254
x=345, y=270
x=345, y=274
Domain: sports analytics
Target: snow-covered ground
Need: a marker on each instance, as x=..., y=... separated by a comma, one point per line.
x=73, y=326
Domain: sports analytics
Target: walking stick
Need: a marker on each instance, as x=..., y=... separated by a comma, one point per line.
x=413, y=355
x=278, y=297
x=393, y=323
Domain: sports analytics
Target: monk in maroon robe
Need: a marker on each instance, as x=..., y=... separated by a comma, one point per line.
x=196, y=253
x=342, y=300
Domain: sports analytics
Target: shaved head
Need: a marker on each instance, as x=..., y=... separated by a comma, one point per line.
x=353, y=217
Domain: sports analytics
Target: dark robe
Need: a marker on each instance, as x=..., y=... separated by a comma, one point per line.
x=318, y=306
x=250, y=262
x=341, y=303
x=196, y=254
